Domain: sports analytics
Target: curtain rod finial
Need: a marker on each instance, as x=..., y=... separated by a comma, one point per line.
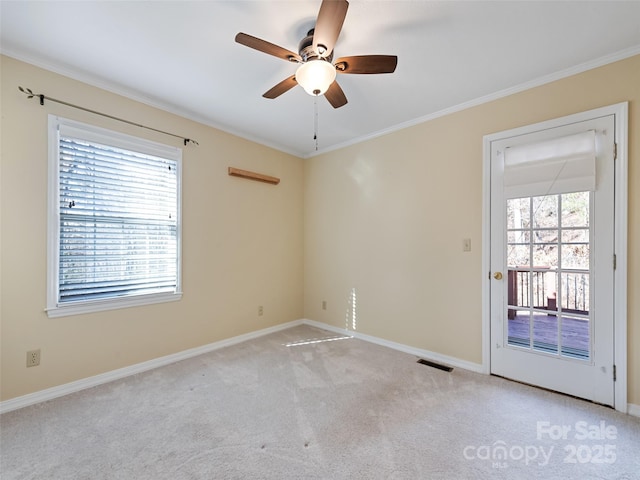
x=27, y=92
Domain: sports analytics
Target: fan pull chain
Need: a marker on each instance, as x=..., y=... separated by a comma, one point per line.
x=315, y=120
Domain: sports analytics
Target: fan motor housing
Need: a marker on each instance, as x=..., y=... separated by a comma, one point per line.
x=306, y=51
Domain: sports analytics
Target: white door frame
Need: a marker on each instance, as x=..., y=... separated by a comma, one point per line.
x=620, y=111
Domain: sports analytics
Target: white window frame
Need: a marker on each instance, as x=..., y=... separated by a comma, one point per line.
x=116, y=139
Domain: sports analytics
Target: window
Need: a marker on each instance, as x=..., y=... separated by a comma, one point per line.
x=114, y=220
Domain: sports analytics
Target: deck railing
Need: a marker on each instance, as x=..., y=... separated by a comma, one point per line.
x=536, y=288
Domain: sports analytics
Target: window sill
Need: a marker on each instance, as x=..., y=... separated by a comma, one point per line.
x=78, y=308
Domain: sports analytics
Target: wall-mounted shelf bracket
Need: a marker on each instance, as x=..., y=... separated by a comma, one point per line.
x=236, y=172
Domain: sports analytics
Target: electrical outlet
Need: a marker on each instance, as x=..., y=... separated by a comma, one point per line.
x=466, y=245
x=324, y=304
x=33, y=358
x=260, y=311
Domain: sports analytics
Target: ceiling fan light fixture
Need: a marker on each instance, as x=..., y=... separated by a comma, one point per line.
x=316, y=76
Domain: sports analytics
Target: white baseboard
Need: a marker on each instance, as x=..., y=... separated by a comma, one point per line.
x=78, y=385
x=633, y=409
x=72, y=387
x=426, y=354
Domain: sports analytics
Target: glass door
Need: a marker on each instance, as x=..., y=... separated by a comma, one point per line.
x=552, y=270
x=548, y=268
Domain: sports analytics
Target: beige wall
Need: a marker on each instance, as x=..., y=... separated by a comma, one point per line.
x=387, y=218
x=242, y=241
x=384, y=218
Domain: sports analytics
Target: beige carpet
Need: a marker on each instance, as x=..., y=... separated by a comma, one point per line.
x=287, y=406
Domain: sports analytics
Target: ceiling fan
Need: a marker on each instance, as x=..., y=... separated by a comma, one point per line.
x=316, y=73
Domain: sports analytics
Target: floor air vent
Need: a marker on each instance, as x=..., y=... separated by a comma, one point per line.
x=435, y=365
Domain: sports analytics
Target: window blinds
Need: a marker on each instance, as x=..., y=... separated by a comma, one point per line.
x=118, y=221
x=561, y=165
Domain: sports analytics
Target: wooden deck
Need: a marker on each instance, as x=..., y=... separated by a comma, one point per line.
x=574, y=334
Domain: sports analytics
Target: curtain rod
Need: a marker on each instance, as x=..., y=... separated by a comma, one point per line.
x=30, y=94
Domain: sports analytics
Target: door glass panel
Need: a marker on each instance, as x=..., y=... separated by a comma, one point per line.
x=519, y=330
x=547, y=236
x=575, y=235
x=518, y=237
x=545, y=211
x=518, y=213
x=548, y=264
x=575, y=337
x=545, y=332
x=575, y=209
x=575, y=256
x=545, y=255
x=575, y=288
x=518, y=255
x=519, y=285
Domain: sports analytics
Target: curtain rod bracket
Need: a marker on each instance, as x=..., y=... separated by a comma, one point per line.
x=30, y=94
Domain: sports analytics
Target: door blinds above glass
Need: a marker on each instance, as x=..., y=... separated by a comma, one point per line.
x=561, y=165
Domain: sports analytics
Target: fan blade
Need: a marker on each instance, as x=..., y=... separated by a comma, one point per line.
x=328, y=25
x=266, y=47
x=284, y=86
x=335, y=95
x=367, y=64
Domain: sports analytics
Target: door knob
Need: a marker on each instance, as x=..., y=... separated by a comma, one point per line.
x=497, y=275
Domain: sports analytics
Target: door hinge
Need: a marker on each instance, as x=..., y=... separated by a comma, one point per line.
x=614, y=373
x=615, y=261
x=615, y=151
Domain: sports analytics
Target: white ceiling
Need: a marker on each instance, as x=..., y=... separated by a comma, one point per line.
x=181, y=56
